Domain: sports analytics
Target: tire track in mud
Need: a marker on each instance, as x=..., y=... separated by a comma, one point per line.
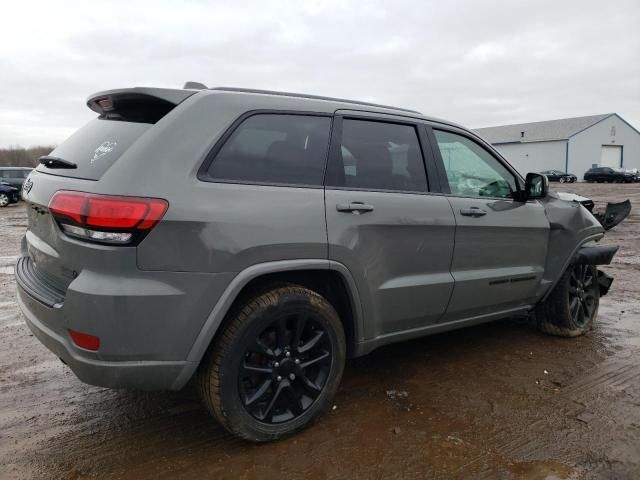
x=615, y=374
x=588, y=410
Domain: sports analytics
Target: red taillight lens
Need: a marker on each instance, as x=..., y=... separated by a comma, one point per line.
x=68, y=205
x=84, y=340
x=84, y=214
x=109, y=213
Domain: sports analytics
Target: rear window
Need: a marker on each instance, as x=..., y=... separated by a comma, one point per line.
x=378, y=156
x=274, y=149
x=95, y=147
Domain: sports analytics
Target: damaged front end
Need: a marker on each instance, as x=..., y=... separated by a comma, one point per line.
x=604, y=282
x=573, y=230
x=600, y=255
x=614, y=213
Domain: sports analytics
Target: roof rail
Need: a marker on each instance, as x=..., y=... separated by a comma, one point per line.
x=312, y=97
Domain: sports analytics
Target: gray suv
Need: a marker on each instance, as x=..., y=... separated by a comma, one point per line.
x=253, y=240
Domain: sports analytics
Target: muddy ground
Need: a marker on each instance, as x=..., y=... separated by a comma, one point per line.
x=495, y=401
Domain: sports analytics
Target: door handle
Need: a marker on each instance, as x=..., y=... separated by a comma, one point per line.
x=472, y=212
x=354, y=207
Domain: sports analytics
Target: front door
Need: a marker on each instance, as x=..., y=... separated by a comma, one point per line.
x=383, y=224
x=500, y=244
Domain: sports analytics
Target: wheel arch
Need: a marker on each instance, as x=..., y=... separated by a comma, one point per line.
x=566, y=261
x=330, y=279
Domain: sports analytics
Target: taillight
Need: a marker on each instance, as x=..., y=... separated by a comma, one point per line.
x=108, y=219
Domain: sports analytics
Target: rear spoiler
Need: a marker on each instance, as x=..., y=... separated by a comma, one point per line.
x=139, y=104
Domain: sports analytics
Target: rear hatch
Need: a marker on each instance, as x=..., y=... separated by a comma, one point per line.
x=123, y=117
x=95, y=231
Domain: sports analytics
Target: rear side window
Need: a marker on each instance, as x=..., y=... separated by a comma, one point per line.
x=378, y=156
x=275, y=149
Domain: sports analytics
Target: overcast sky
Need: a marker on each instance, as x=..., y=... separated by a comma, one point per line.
x=479, y=63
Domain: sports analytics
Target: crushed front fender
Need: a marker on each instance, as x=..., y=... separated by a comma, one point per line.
x=613, y=214
x=595, y=255
x=604, y=282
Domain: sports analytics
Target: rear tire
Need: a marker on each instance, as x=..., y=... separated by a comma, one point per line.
x=4, y=200
x=276, y=366
x=562, y=180
x=572, y=306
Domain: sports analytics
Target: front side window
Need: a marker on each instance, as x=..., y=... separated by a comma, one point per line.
x=378, y=156
x=274, y=148
x=471, y=170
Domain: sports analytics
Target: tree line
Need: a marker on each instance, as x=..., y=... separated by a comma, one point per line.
x=22, y=157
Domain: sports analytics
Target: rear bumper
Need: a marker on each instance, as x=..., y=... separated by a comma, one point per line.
x=147, y=323
x=142, y=375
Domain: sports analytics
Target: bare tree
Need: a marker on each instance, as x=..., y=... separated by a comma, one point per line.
x=22, y=157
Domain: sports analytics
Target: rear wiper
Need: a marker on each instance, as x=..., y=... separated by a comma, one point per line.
x=55, y=162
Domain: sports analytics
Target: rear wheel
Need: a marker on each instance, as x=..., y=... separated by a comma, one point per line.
x=562, y=180
x=4, y=200
x=572, y=306
x=276, y=366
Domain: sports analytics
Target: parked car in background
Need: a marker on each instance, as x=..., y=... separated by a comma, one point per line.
x=635, y=173
x=608, y=174
x=559, y=176
x=14, y=176
x=8, y=194
x=294, y=232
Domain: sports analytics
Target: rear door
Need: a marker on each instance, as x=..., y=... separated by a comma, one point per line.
x=500, y=244
x=383, y=223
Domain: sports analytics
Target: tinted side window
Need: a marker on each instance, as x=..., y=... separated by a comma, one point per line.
x=275, y=148
x=471, y=170
x=379, y=156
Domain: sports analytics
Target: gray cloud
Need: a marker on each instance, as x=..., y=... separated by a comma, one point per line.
x=477, y=63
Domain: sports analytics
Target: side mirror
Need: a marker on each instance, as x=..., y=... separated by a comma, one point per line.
x=535, y=186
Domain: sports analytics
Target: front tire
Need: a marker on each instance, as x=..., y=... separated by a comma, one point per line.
x=572, y=306
x=276, y=366
x=562, y=180
x=4, y=200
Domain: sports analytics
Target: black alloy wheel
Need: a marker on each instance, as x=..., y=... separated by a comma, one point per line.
x=276, y=365
x=285, y=369
x=582, y=294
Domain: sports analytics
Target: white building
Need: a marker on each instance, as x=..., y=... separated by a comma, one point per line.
x=571, y=144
